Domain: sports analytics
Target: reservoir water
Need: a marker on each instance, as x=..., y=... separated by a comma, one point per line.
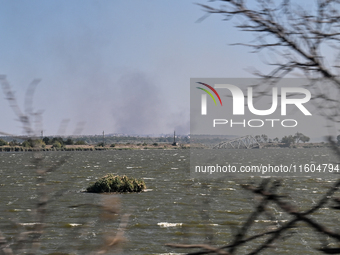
x=174, y=209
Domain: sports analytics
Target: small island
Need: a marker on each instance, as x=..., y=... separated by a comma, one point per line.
x=115, y=183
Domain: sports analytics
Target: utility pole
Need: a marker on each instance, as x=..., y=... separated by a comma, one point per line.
x=174, y=143
x=103, y=139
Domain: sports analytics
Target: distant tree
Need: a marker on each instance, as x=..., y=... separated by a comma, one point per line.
x=80, y=142
x=13, y=143
x=298, y=137
x=305, y=139
x=264, y=138
x=56, y=144
x=26, y=143
x=288, y=140
x=301, y=137
x=30, y=143
x=57, y=139
x=38, y=143
x=3, y=142
x=47, y=140
x=69, y=141
x=276, y=139
x=338, y=138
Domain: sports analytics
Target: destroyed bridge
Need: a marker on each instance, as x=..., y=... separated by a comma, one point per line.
x=244, y=142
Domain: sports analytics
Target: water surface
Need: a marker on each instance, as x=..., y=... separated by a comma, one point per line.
x=174, y=209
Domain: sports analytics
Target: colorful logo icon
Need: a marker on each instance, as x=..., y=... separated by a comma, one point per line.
x=208, y=92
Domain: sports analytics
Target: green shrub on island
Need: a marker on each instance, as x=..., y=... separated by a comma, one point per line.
x=116, y=183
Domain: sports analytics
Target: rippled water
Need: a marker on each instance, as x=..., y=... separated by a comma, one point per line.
x=174, y=209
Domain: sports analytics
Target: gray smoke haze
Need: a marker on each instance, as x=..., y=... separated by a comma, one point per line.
x=141, y=108
x=180, y=123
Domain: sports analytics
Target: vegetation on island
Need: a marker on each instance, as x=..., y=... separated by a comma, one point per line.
x=116, y=183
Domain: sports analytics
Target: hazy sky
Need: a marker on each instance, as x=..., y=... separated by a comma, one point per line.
x=119, y=66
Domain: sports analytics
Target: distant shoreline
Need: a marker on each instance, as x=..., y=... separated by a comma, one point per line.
x=8, y=148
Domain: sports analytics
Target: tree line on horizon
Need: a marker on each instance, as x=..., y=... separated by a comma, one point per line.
x=56, y=142
x=59, y=142
x=286, y=140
